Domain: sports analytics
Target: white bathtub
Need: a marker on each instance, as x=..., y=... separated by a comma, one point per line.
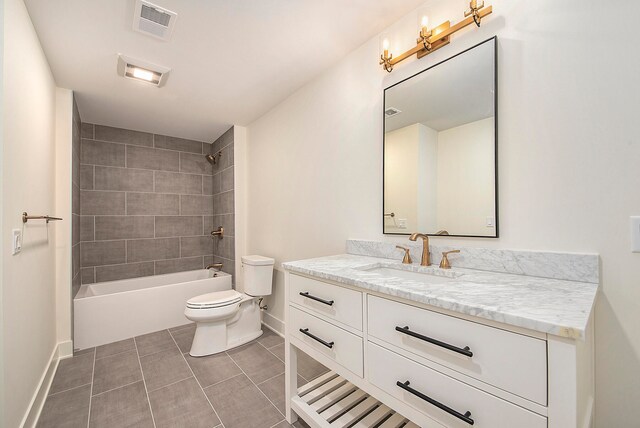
x=110, y=311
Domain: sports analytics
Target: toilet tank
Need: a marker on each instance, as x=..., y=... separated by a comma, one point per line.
x=258, y=275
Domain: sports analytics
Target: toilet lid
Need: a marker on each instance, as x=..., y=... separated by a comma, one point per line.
x=214, y=300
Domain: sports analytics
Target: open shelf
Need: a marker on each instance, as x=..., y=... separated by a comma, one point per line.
x=331, y=401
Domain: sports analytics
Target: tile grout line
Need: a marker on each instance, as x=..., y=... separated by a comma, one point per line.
x=117, y=387
x=93, y=372
x=197, y=381
x=254, y=384
x=144, y=382
x=68, y=389
x=273, y=353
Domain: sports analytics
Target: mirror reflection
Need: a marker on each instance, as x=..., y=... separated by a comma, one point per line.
x=440, y=147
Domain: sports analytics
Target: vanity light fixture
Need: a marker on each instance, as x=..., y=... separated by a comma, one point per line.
x=142, y=70
x=430, y=40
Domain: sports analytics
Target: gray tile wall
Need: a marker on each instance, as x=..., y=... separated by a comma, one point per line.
x=75, y=202
x=223, y=202
x=147, y=204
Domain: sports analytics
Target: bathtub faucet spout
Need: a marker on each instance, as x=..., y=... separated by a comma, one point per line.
x=217, y=266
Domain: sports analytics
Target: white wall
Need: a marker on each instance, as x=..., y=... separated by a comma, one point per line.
x=410, y=161
x=466, y=183
x=28, y=279
x=568, y=159
x=2, y=235
x=401, y=158
x=62, y=230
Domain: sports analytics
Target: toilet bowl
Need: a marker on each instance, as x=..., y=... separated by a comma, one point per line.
x=227, y=319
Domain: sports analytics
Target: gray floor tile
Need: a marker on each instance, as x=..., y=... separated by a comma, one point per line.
x=173, y=403
x=72, y=372
x=278, y=351
x=116, y=371
x=213, y=368
x=115, y=348
x=83, y=351
x=182, y=327
x=298, y=424
x=258, y=363
x=274, y=390
x=120, y=408
x=184, y=337
x=153, y=342
x=164, y=368
x=240, y=404
x=200, y=420
x=309, y=368
x=269, y=338
x=66, y=409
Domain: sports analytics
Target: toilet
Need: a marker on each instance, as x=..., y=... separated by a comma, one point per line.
x=226, y=319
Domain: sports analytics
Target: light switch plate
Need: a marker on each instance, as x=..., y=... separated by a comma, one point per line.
x=16, y=241
x=635, y=234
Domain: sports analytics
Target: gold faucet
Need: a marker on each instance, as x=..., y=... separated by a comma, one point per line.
x=426, y=260
x=407, y=257
x=215, y=266
x=444, y=263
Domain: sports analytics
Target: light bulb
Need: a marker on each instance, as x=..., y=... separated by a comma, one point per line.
x=385, y=44
x=142, y=74
x=424, y=22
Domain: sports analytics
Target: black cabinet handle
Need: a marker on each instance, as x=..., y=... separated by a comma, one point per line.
x=317, y=299
x=466, y=417
x=305, y=331
x=464, y=351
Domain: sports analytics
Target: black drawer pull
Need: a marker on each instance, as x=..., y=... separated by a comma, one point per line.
x=463, y=417
x=305, y=331
x=317, y=299
x=464, y=351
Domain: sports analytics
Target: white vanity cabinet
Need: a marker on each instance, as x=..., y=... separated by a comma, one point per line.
x=435, y=367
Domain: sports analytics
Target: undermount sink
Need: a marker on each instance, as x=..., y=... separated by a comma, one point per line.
x=428, y=276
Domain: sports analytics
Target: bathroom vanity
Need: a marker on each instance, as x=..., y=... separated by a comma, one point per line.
x=454, y=348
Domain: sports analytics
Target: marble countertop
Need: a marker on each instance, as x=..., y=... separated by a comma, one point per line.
x=552, y=306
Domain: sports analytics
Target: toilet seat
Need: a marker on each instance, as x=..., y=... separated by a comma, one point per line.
x=214, y=300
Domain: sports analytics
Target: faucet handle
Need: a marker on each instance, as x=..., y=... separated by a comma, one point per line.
x=407, y=257
x=444, y=263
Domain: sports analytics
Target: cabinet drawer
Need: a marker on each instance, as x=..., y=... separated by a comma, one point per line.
x=339, y=303
x=509, y=361
x=386, y=368
x=338, y=344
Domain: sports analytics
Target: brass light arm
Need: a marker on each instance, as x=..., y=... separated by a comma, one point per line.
x=481, y=13
x=438, y=37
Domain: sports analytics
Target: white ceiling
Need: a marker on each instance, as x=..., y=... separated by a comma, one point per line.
x=458, y=91
x=231, y=61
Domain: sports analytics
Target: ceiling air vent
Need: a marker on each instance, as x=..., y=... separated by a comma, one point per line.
x=153, y=20
x=391, y=111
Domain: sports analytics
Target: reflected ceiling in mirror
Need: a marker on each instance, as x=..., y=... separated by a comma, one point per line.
x=440, y=139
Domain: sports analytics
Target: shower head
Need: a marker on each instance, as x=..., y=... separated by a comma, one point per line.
x=213, y=159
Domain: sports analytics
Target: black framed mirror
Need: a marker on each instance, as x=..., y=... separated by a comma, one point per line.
x=440, y=163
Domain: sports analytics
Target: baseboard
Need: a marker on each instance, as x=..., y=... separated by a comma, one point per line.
x=65, y=349
x=60, y=352
x=273, y=323
x=588, y=420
